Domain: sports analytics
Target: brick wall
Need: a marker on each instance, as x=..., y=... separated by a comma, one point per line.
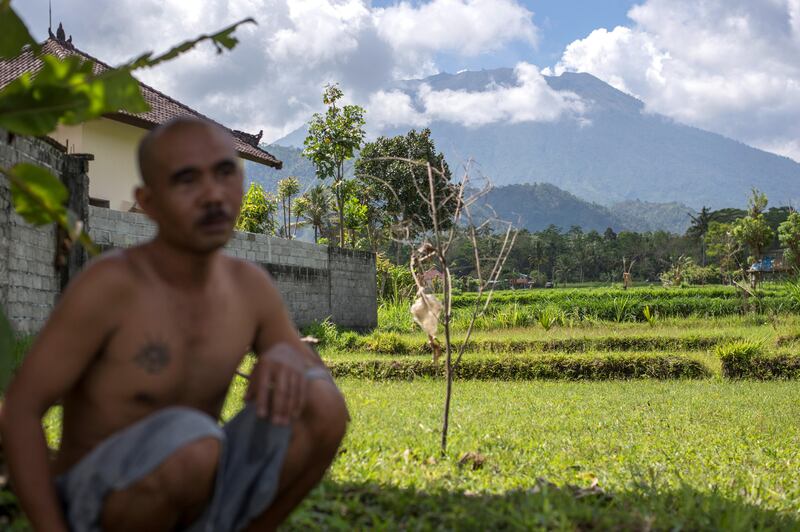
x=316, y=282
x=29, y=278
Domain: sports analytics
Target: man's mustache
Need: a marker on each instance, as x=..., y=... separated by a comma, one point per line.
x=214, y=216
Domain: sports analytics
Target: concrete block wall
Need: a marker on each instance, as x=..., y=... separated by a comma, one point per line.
x=353, y=288
x=29, y=279
x=316, y=282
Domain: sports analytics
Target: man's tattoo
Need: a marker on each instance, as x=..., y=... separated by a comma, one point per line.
x=153, y=357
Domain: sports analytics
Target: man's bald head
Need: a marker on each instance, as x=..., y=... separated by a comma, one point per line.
x=152, y=147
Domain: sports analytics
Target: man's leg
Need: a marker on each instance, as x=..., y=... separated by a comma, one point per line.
x=173, y=495
x=315, y=439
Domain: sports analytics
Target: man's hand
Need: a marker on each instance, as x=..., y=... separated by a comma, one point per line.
x=278, y=384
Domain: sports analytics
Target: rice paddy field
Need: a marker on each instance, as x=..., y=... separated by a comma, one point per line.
x=572, y=409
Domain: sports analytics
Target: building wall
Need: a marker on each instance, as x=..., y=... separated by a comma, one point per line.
x=114, y=172
x=316, y=282
x=29, y=279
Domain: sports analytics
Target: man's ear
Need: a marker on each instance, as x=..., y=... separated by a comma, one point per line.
x=144, y=198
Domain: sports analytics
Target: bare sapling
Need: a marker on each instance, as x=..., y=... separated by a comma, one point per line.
x=450, y=210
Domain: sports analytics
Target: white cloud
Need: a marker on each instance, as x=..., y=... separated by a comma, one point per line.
x=730, y=66
x=468, y=27
x=274, y=78
x=530, y=100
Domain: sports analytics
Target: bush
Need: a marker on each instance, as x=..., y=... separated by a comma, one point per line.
x=747, y=360
x=535, y=368
x=736, y=356
x=325, y=331
x=389, y=343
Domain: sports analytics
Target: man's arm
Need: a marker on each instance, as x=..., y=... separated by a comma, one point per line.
x=278, y=381
x=64, y=348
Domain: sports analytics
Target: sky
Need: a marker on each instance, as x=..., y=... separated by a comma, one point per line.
x=728, y=66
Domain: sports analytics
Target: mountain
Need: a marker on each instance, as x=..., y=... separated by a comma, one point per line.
x=294, y=164
x=530, y=206
x=650, y=216
x=536, y=206
x=616, y=152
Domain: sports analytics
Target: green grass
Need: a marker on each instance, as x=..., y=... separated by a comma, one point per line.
x=666, y=455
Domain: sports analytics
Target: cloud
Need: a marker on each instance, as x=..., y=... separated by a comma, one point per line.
x=530, y=100
x=274, y=78
x=730, y=66
x=469, y=27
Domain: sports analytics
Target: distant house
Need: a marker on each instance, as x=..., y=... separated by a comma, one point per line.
x=432, y=277
x=112, y=139
x=523, y=281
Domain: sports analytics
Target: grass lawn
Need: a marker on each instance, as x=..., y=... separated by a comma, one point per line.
x=624, y=455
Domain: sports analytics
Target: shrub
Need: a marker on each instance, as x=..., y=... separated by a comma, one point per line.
x=535, y=368
x=388, y=343
x=549, y=316
x=325, y=331
x=737, y=356
x=747, y=360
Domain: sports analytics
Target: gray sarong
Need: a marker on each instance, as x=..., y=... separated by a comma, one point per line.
x=252, y=455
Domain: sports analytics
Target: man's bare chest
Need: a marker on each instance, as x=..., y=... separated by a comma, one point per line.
x=173, y=351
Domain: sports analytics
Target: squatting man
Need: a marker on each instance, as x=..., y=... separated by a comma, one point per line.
x=140, y=351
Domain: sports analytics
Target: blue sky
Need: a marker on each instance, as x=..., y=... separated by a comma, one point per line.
x=560, y=22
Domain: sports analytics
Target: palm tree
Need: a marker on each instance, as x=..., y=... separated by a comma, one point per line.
x=317, y=208
x=287, y=188
x=699, y=228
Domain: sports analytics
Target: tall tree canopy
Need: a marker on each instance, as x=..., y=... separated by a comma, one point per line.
x=393, y=173
x=333, y=138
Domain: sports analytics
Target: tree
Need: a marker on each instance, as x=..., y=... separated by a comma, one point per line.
x=699, y=228
x=789, y=236
x=333, y=138
x=355, y=216
x=392, y=172
x=724, y=247
x=299, y=208
x=753, y=230
x=257, y=212
x=318, y=208
x=287, y=188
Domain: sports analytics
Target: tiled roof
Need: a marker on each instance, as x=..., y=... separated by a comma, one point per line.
x=162, y=107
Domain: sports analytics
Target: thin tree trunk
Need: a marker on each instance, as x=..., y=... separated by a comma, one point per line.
x=289, y=217
x=448, y=360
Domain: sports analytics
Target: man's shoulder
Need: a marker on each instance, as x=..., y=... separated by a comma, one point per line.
x=252, y=278
x=111, y=272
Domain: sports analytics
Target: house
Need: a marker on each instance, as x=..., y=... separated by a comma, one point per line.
x=432, y=278
x=112, y=139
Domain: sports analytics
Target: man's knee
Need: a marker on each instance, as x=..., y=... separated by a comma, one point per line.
x=326, y=414
x=188, y=475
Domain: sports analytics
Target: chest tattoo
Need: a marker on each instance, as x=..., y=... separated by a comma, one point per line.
x=153, y=357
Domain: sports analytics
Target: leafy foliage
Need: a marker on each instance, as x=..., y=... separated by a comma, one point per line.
x=393, y=171
x=333, y=138
x=789, y=236
x=257, y=214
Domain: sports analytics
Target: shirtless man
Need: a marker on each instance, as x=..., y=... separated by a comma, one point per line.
x=141, y=350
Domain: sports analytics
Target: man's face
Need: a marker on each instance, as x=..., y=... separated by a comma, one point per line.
x=195, y=187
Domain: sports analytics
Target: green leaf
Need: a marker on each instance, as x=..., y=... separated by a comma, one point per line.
x=6, y=350
x=13, y=33
x=38, y=195
x=34, y=105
